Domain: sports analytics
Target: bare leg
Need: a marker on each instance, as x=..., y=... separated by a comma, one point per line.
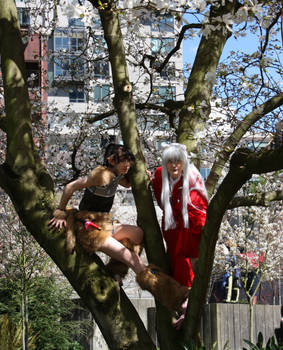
x=178, y=322
x=133, y=233
x=116, y=250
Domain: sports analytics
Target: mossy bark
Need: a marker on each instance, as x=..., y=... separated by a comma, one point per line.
x=26, y=181
x=243, y=165
x=125, y=108
x=196, y=108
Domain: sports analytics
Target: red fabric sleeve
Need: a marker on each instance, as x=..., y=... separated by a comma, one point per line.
x=157, y=185
x=197, y=217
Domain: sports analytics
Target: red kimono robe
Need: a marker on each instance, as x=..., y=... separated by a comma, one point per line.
x=182, y=243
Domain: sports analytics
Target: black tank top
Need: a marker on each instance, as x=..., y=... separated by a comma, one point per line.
x=100, y=198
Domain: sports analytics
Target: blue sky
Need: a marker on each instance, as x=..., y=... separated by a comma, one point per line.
x=247, y=44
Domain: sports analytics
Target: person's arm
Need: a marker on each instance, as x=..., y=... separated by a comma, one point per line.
x=197, y=212
x=70, y=189
x=59, y=219
x=157, y=185
x=125, y=182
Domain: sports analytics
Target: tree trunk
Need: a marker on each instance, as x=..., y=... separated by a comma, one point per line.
x=125, y=107
x=30, y=188
x=196, y=108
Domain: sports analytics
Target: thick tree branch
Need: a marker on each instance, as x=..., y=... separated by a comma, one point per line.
x=126, y=111
x=258, y=199
x=168, y=108
x=234, y=139
x=243, y=165
x=197, y=108
x=101, y=116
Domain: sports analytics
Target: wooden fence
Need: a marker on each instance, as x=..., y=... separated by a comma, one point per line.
x=229, y=324
x=226, y=325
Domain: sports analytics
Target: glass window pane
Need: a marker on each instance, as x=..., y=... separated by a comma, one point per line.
x=155, y=43
x=58, y=43
x=65, y=43
x=80, y=96
x=97, y=93
x=164, y=45
x=76, y=94
x=105, y=91
x=80, y=44
x=73, y=43
x=76, y=22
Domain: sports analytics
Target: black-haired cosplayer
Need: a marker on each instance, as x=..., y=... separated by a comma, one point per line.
x=92, y=227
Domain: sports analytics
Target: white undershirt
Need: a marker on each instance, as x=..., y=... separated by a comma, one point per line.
x=172, y=182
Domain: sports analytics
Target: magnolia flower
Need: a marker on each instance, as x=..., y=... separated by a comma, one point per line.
x=199, y=5
x=71, y=10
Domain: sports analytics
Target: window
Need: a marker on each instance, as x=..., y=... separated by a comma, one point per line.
x=23, y=16
x=163, y=93
x=101, y=92
x=76, y=94
x=32, y=70
x=162, y=46
x=101, y=69
x=168, y=71
x=68, y=41
x=76, y=22
x=145, y=19
x=163, y=23
x=69, y=66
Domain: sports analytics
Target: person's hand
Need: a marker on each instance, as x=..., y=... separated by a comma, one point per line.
x=177, y=324
x=59, y=220
x=149, y=175
x=57, y=224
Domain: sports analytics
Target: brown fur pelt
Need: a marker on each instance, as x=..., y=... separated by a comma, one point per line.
x=116, y=267
x=90, y=240
x=164, y=288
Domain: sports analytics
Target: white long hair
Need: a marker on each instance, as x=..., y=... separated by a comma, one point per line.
x=192, y=180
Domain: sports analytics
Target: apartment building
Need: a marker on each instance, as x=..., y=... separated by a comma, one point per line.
x=80, y=74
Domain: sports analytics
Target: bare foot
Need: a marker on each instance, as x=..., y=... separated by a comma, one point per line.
x=184, y=306
x=177, y=323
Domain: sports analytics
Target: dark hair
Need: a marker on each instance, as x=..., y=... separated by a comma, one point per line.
x=119, y=153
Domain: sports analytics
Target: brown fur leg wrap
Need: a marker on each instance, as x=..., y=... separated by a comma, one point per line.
x=116, y=267
x=164, y=288
x=92, y=240
x=70, y=231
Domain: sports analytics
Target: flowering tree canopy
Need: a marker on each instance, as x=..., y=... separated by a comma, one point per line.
x=228, y=108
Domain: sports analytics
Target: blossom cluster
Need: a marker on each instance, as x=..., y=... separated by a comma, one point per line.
x=255, y=237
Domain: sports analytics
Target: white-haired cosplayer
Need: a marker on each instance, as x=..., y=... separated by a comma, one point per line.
x=181, y=194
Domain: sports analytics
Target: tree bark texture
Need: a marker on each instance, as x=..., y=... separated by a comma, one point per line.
x=196, y=109
x=30, y=187
x=243, y=165
x=26, y=181
x=125, y=108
